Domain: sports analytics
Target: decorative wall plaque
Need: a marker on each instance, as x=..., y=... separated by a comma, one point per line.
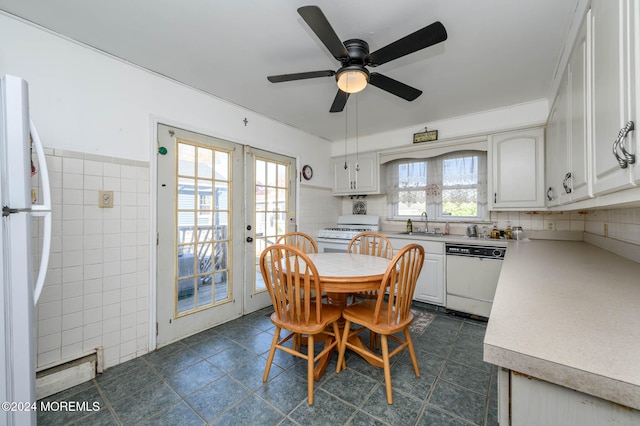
x=426, y=136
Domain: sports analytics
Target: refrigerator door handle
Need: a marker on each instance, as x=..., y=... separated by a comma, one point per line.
x=43, y=209
x=44, y=258
x=44, y=172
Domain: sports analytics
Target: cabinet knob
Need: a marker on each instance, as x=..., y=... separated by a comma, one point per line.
x=550, y=194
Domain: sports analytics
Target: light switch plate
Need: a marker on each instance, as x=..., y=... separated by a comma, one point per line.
x=105, y=199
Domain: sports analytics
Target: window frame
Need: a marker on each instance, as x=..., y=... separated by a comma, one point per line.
x=434, y=209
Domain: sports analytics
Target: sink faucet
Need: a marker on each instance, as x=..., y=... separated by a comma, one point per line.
x=426, y=221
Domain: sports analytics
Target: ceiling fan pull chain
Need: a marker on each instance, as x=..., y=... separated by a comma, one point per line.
x=346, y=134
x=357, y=146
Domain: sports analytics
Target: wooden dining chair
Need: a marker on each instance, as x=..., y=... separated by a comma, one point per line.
x=373, y=244
x=299, y=240
x=386, y=318
x=307, y=244
x=289, y=276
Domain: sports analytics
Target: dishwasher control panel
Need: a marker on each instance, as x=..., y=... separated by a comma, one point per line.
x=470, y=250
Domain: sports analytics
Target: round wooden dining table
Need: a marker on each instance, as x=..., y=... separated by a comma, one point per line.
x=342, y=274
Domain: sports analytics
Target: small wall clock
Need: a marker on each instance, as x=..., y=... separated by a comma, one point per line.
x=307, y=172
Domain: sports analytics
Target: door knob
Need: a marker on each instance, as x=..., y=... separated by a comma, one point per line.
x=249, y=239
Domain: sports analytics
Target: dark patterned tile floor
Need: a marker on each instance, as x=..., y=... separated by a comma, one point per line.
x=215, y=377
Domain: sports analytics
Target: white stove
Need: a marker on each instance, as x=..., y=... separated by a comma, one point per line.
x=337, y=238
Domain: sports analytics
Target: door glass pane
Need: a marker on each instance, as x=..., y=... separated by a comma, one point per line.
x=221, y=198
x=271, y=174
x=281, y=200
x=186, y=155
x=282, y=176
x=271, y=206
x=203, y=223
x=186, y=194
x=222, y=166
x=204, y=163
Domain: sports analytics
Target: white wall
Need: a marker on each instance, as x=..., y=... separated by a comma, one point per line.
x=84, y=101
x=95, y=115
x=482, y=123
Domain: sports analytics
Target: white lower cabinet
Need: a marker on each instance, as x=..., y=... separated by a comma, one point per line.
x=431, y=283
x=527, y=401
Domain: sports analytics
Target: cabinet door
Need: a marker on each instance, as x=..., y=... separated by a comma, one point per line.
x=362, y=174
x=430, y=286
x=518, y=170
x=610, y=91
x=535, y=402
x=366, y=173
x=579, y=111
x=556, y=149
x=342, y=182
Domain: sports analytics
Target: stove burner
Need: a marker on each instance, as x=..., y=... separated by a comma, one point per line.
x=349, y=226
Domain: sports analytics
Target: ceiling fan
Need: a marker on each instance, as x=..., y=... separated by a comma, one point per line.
x=354, y=56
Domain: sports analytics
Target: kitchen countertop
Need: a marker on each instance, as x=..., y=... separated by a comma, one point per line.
x=569, y=313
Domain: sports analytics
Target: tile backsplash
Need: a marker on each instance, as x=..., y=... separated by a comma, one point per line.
x=622, y=224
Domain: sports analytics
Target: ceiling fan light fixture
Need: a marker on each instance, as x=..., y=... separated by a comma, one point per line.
x=352, y=80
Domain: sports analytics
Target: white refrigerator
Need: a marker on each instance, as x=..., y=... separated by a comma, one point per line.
x=21, y=156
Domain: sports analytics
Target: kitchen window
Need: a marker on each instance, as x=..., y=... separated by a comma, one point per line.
x=449, y=187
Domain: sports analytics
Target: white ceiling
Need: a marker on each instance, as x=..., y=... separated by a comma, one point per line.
x=498, y=52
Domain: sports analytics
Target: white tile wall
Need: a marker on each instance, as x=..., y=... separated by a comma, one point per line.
x=97, y=285
x=318, y=209
x=618, y=224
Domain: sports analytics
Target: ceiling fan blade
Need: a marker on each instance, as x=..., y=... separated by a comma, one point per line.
x=394, y=86
x=300, y=76
x=319, y=24
x=339, y=102
x=427, y=36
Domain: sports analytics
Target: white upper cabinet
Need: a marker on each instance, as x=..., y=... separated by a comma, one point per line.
x=557, y=147
x=567, y=135
x=517, y=167
x=614, y=96
x=357, y=174
x=579, y=181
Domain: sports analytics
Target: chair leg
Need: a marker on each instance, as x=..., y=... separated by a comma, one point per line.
x=387, y=367
x=343, y=346
x=297, y=342
x=412, y=352
x=338, y=339
x=272, y=352
x=373, y=341
x=310, y=365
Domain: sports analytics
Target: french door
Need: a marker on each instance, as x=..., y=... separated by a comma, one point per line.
x=219, y=203
x=270, y=213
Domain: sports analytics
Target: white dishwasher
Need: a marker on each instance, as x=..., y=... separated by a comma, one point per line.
x=472, y=277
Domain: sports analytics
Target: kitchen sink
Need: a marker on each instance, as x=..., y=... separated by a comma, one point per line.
x=422, y=234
